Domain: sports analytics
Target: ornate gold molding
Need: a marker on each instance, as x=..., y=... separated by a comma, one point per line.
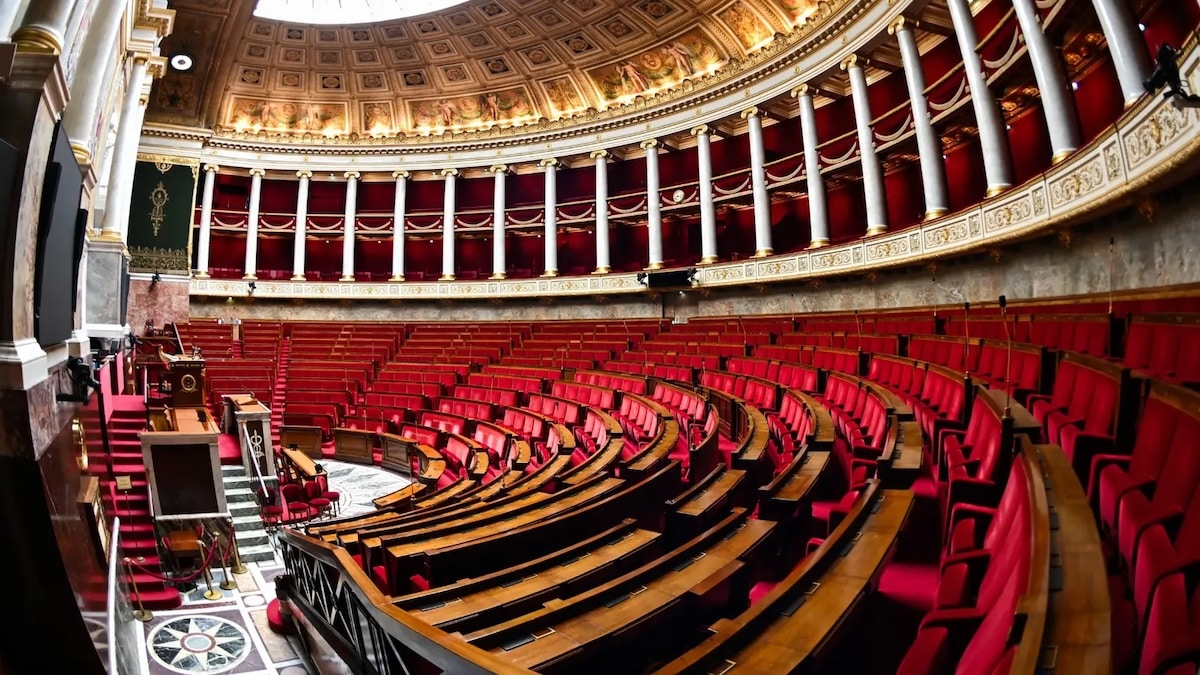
x=169, y=160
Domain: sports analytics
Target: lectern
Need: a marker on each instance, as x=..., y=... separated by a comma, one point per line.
x=186, y=377
x=250, y=420
x=183, y=467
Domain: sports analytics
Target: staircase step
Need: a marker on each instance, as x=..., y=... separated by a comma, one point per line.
x=258, y=553
x=246, y=523
x=252, y=538
x=232, y=470
x=163, y=599
x=239, y=495
x=239, y=509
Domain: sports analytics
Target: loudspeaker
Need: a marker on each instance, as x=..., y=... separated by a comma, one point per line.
x=673, y=278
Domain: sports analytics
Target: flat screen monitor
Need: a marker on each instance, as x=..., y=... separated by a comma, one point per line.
x=61, y=225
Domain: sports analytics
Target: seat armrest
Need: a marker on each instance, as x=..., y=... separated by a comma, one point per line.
x=1099, y=462
x=967, y=619
x=976, y=561
x=972, y=491
x=981, y=514
x=1087, y=446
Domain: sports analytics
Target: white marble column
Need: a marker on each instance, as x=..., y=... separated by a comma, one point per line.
x=1058, y=102
x=298, y=245
x=708, y=208
x=603, y=262
x=758, y=184
x=929, y=144
x=124, y=153
x=1126, y=44
x=11, y=12
x=654, y=241
x=993, y=133
x=79, y=118
x=348, y=225
x=206, y=208
x=550, y=233
x=499, y=196
x=872, y=169
x=818, y=213
x=251, y=266
x=448, y=225
x=44, y=25
x=398, y=216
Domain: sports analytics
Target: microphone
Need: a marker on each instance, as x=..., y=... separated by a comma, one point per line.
x=1111, y=245
x=858, y=327
x=933, y=281
x=967, y=338
x=1008, y=363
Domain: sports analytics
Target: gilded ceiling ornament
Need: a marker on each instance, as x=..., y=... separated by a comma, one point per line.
x=159, y=198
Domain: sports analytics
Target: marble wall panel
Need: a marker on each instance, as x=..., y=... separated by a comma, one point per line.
x=163, y=302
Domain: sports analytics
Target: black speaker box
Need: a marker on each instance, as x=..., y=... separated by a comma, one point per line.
x=671, y=279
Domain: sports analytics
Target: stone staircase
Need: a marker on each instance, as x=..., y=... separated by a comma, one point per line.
x=253, y=541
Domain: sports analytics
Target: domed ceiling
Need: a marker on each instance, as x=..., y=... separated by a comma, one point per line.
x=476, y=65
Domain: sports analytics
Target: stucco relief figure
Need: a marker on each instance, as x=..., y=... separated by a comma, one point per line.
x=798, y=9
x=497, y=106
x=664, y=65
x=285, y=115
x=562, y=95
x=377, y=116
x=748, y=28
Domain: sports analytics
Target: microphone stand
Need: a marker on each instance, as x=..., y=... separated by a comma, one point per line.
x=1008, y=364
x=967, y=339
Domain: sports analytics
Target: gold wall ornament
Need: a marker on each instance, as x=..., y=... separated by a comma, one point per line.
x=162, y=165
x=159, y=198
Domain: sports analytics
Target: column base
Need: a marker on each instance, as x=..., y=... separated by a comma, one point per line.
x=549, y=273
x=934, y=214
x=818, y=243
x=654, y=266
x=498, y=276
x=250, y=277
x=23, y=364
x=109, y=236
x=299, y=277
x=446, y=277
x=763, y=252
x=80, y=343
x=1061, y=156
x=396, y=277
x=876, y=230
x=200, y=275
x=995, y=190
x=346, y=277
x=603, y=269
x=708, y=260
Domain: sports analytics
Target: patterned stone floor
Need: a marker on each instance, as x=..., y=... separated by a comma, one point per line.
x=230, y=634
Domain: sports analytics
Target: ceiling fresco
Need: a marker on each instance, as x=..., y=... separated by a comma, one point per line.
x=482, y=64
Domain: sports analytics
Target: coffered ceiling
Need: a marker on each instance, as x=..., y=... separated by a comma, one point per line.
x=480, y=64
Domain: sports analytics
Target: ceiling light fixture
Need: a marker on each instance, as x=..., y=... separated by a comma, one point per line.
x=181, y=62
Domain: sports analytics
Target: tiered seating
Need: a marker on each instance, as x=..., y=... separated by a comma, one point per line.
x=633, y=385
x=1082, y=413
x=957, y=353
x=1164, y=345
x=839, y=360
x=1021, y=368
x=1089, y=334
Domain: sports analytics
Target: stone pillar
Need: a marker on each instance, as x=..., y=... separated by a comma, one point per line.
x=448, y=225
x=708, y=208
x=398, y=216
x=124, y=153
x=1127, y=45
x=79, y=119
x=298, y=245
x=44, y=26
x=499, y=177
x=872, y=170
x=758, y=184
x=348, y=226
x=32, y=98
x=603, y=262
x=550, y=235
x=818, y=214
x=654, y=244
x=1058, y=102
x=206, y=207
x=929, y=144
x=251, y=267
x=11, y=12
x=993, y=133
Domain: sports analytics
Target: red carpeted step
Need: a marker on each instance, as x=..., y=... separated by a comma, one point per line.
x=157, y=600
x=135, y=529
x=275, y=619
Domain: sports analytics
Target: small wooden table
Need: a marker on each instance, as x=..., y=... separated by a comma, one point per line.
x=183, y=541
x=303, y=463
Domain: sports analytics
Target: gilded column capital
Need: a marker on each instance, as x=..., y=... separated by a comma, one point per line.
x=853, y=61
x=156, y=67
x=35, y=39
x=258, y=172
x=701, y=130
x=901, y=23
x=498, y=168
x=600, y=154
x=802, y=90
x=446, y=173
x=648, y=144
x=352, y=175
x=400, y=174
x=548, y=163
x=211, y=168
x=752, y=111
x=304, y=174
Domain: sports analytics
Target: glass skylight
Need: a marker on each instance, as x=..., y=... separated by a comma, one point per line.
x=346, y=12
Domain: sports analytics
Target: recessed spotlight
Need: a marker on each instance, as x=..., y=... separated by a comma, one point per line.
x=1074, y=86
x=1142, y=27
x=181, y=62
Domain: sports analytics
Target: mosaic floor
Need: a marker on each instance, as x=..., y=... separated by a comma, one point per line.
x=230, y=634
